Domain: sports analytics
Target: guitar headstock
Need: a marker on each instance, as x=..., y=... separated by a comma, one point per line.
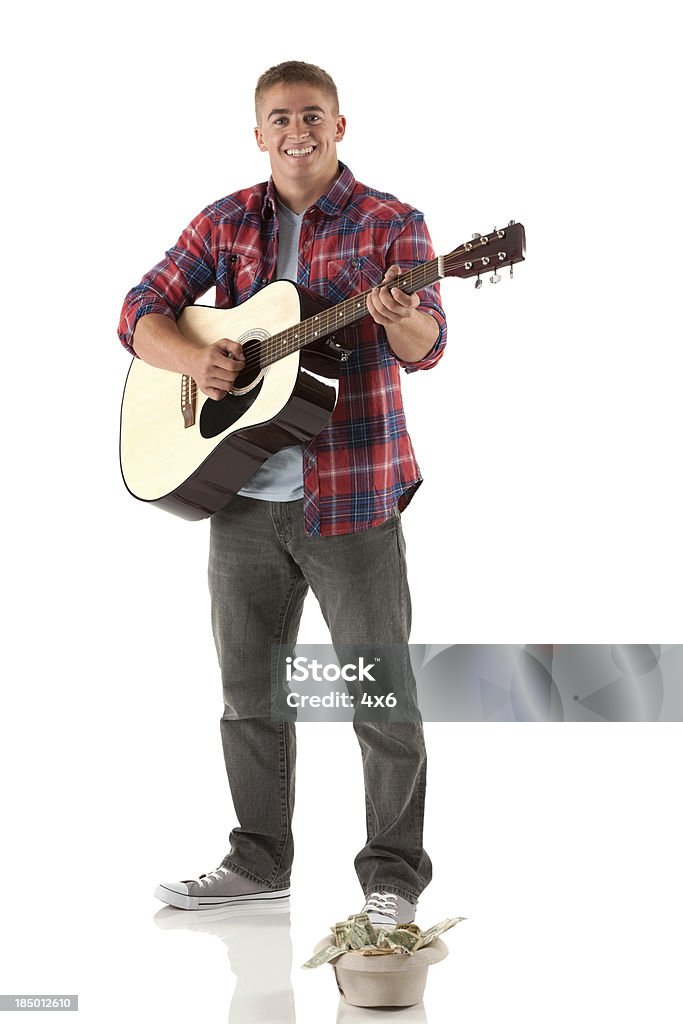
x=501, y=247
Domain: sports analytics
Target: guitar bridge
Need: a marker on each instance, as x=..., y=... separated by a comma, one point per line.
x=188, y=399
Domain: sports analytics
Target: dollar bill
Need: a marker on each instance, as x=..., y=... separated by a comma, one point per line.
x=433, y=933
x=358, y=934
x=354, y=933
x=357, y=937
x=374, y=951
x=403, y=938
x=324, y=956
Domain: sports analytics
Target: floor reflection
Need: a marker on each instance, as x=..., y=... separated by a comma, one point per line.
x=348, y=1014
x=259, y=944
x=258, y=941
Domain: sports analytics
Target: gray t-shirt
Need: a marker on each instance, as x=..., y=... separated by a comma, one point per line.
x=281, y=477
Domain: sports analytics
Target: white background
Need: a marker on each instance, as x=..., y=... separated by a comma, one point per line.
x=549, y=438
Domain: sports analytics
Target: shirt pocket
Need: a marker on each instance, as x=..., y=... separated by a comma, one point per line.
x=351, y=276
x=238, y=275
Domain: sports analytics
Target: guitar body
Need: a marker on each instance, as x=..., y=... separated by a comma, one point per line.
x=194, y=469
x=189, y=455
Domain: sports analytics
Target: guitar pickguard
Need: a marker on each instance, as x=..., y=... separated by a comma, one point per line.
x=217, y=416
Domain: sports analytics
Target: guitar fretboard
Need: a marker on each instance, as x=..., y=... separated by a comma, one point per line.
x=342, y=315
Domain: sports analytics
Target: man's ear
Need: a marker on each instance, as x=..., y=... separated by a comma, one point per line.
x=259, y=139
x=341, y=128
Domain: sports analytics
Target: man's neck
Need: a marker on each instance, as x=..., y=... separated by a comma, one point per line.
x=299, y=196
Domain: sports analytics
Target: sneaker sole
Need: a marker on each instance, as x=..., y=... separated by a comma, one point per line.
x=183, y=902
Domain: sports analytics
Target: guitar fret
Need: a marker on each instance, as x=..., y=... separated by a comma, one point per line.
x=342, y=315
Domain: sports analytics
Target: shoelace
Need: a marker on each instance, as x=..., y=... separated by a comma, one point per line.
x=208, y=876
x=383, y=902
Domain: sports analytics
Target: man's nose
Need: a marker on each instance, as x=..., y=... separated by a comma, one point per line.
x=300, y=131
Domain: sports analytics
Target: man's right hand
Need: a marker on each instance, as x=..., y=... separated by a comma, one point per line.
x=158, y=341
x=215, y=367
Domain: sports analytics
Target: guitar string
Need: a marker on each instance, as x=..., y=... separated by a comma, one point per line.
x=276, y=347
x=266, y=352
x=271, y=348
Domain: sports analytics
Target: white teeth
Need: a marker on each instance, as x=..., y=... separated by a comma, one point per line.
x=300, y=152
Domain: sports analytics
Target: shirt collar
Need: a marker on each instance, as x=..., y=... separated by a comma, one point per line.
x=332, y=203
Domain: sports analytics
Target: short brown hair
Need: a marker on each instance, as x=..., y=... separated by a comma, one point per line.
x=291, y=72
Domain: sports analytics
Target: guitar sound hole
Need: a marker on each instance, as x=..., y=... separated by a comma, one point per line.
x=251, y=350
x=216, y=417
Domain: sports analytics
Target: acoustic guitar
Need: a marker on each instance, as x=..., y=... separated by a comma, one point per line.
x=188, y=454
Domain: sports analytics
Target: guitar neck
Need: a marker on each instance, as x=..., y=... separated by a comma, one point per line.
x=345, y=313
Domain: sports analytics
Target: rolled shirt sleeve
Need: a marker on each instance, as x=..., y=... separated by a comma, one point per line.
x=187, y=271
x=410, y=248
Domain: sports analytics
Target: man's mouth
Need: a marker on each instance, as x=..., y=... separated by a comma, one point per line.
x=298, y=153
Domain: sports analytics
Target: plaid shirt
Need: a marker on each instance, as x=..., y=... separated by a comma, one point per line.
x=362, y=464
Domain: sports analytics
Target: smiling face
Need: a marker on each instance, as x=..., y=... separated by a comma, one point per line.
x=299, y=127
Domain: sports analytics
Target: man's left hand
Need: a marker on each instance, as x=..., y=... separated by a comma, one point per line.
x=389, y=306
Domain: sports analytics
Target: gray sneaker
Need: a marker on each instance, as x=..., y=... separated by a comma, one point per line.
x=218, y=888
x=386, y=909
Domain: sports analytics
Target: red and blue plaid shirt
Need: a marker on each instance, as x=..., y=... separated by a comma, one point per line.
x=362, y=464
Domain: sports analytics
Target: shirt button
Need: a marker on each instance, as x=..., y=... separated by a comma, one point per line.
x=355, y=263
x=311, y=461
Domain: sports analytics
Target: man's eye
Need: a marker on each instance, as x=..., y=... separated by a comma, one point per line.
x=312, y=117
x=279, y=120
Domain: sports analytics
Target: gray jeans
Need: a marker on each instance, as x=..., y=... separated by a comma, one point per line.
x=261, y=564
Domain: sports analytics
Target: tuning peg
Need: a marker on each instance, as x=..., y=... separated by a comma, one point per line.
x=476, y=236
x=511, y=271
x=477, y=283
x=494, y=278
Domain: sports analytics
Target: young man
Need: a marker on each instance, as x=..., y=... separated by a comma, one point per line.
x=326, y=515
